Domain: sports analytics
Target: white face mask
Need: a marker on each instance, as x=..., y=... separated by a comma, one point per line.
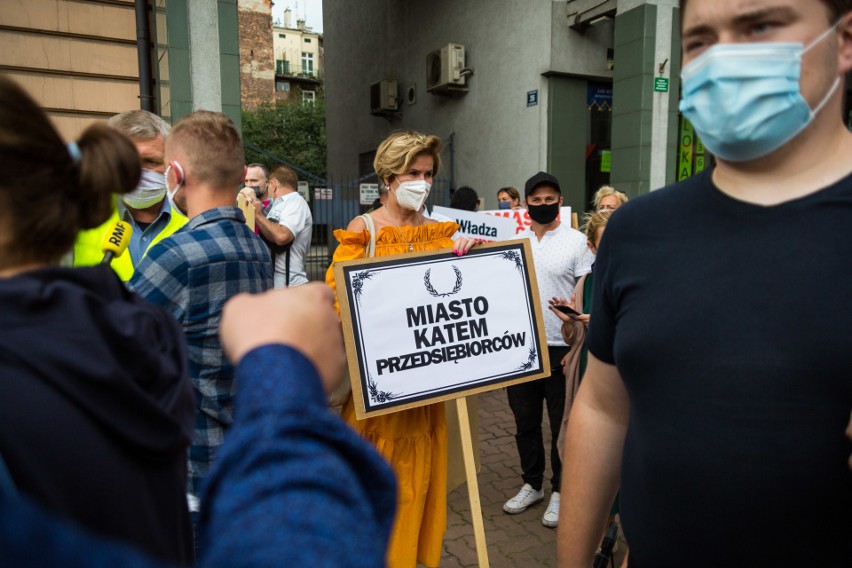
x=149, y=191
x=171, y=192
x=412, y=194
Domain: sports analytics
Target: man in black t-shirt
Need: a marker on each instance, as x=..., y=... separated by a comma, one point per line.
x=719, y=383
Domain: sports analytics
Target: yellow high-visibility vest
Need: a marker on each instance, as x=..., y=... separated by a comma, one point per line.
x=88, y=252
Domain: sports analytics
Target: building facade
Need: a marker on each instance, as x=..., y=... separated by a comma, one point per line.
x=257, y=60
x=566, y=87
x=299, y=61
x=85, y=60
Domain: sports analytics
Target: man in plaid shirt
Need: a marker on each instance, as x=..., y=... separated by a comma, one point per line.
x=193, y=272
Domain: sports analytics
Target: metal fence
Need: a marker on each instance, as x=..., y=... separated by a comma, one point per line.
x=333, y=205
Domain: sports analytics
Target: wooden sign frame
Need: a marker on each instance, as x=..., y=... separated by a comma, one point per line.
x=352, y=277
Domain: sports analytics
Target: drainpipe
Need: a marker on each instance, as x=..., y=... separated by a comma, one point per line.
x=143, y=50
x=452, y=161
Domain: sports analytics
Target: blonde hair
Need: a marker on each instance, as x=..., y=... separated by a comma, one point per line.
x=212, y=146
x=606, y=190
x=396, y=153
x=594, y=222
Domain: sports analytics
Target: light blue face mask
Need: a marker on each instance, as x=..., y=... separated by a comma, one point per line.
x=743, y=99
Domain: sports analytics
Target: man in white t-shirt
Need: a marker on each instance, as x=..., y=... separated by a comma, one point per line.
x=286, y=227
x=561, y=257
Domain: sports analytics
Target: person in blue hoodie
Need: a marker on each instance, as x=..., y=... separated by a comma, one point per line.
x=96, y=408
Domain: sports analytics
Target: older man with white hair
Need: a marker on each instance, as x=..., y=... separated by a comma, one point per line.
x=146, y=208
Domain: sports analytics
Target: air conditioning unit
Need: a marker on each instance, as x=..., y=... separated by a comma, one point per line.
x=445, y=70
x=383, y=99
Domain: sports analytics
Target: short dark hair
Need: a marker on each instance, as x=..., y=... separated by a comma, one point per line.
x=464, y=198
x=262, y=167
x=836, y=8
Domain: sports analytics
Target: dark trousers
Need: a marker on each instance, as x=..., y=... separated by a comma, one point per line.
x=526, y=400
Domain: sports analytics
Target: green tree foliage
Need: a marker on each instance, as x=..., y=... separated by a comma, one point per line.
x=295, y=133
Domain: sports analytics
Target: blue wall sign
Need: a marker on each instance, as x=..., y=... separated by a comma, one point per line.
x=532, y=98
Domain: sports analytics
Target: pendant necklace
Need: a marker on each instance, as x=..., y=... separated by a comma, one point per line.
x=406, y=241
x=402, y=236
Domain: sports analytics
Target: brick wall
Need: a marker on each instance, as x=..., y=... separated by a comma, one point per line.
x=257, y=62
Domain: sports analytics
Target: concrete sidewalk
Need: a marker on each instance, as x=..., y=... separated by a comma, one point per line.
x=513, y=540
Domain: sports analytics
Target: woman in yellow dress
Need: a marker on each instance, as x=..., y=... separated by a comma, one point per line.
x=414, y=441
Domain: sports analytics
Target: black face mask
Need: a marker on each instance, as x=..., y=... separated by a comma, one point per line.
x=543, y=214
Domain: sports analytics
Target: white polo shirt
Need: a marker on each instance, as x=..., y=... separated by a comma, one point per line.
x=561, y=257
x=292, y=211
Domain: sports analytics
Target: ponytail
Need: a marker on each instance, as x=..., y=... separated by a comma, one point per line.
x=108, y=164
x=47, y=195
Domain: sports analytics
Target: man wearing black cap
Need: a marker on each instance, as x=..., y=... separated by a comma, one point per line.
x=561, y=256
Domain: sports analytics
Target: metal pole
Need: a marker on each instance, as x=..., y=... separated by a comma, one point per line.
x=143, y=50
x=452, y=161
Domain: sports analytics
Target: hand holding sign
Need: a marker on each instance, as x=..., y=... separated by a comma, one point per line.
x=464, y=325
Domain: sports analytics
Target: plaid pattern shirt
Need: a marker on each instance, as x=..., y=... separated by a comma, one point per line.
x=192, y=274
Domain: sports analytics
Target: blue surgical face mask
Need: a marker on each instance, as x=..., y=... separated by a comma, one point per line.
x=504, y=205
x=743, y=99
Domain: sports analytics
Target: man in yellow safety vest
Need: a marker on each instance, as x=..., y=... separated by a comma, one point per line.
x=146, y=208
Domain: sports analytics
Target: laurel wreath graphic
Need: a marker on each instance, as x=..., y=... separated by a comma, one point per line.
x=513, y=256
x=376, y=394
x=427, y=281
x=358, y=283
x=529, y=362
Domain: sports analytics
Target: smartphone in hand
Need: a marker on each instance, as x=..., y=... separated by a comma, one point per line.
x=567, y=311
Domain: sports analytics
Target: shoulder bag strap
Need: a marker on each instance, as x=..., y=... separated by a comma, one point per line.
x=371, y=227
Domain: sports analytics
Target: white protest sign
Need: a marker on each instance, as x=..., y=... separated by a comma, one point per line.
x=304, y=191
x=478, y=225
x=369, y=193
x=424, y=327
x=522, y=219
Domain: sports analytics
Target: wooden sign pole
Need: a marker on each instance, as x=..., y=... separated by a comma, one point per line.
x=472, y=482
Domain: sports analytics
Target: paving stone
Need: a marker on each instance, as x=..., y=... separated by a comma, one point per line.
x=513, y=540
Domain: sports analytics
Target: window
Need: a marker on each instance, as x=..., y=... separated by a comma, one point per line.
x=307, y=40
x=308, y=63
x=282, y=86
x=283, y=36
x=309, y=97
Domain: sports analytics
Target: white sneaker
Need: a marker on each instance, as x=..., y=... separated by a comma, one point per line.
x=551, y=515
x=521, y=502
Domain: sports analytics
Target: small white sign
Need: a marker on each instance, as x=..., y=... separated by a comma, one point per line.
x=304, y=191
x=369, y=193
x=322, y=193
x=478, y=225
